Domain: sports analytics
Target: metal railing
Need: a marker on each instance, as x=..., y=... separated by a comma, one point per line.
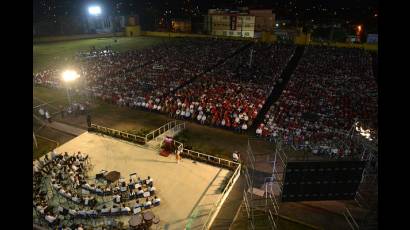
x=209, y=159
x=350, y=220
x=172, y=125
x=217, y=206
x=118, y=134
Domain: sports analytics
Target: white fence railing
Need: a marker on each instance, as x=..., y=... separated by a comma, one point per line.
x=350, y=220
x=217, y=206
x=209, y=158
x=172, y=125
x=118, y=133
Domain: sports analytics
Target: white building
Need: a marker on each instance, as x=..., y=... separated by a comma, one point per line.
x=230, y=23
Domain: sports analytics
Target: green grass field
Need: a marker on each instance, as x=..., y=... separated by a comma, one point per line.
x=59, y=53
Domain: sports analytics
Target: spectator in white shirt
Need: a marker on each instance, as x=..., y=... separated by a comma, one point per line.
x=98, y=190
x=53, y=154
x=149, y=180
x=115, y=209
x=72, y=212
x=203, y=119
x=156, y=201
x=259, y=132
x=235, y=156
x=75, y=198
x=148, y=203
x=244, y=127
x=48, y=117
x=50, y=218
x=117, y=198
x=140, y=192
x=125, y=209
x=151, y=190
x=105, y=210
x=41, y=209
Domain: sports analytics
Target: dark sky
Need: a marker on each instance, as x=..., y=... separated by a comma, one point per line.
x=179, y=8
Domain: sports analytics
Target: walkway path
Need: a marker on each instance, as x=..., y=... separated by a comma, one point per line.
x=66, y=128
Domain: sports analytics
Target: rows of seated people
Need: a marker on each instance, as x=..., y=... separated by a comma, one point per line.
x=122, y=191
x=179, y=63
x=115, y=78
x=93, y=53
x=230, y=96
x=329, y=91
x=68, y=176
x=102, y=65
x=68, y=170
x=226, y=97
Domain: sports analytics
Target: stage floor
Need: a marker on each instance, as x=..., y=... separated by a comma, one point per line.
x=187, y=190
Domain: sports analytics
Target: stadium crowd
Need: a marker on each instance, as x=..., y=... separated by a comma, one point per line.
x=232, y=94
x=329, y=91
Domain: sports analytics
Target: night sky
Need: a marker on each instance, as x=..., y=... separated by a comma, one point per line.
x=149, y=11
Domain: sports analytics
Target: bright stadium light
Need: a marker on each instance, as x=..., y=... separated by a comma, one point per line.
x=94, y=10
x=70, y=75
x=366, y=133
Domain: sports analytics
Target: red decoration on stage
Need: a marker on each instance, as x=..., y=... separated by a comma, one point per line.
x=168, y=146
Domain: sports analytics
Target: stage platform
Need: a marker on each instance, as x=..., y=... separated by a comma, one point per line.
x=187, y=189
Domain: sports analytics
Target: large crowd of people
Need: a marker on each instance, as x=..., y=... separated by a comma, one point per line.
x=330, y=90
x=176, y=64
x=232, y=94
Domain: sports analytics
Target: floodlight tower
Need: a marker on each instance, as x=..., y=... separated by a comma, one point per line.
x=94, y=11
x=69, y=76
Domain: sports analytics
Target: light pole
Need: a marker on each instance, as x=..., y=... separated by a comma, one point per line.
x=95, y=11
x=69, y=76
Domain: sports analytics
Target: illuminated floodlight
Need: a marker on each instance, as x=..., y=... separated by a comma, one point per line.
x=366, y=133
x=94, y=10
x=277, y=24
x=70, y=75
